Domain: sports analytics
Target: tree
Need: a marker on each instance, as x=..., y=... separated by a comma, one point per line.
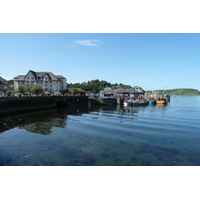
x=75, y=91
x=11, y=81
x=10, y=92
x=95, y=89
x=28, y=89
x=21, y=89
x=36, y=89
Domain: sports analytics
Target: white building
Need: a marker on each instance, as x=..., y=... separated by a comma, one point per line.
x=121, y=92
x=47, y=80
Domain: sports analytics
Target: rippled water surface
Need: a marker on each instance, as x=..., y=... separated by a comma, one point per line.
x=105, y=136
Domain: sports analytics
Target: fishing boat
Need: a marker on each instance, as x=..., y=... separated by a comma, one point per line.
x=135, y=102
x=152, y=101
x=161, y=100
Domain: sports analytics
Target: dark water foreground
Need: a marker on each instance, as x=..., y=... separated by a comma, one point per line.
x=105, y=136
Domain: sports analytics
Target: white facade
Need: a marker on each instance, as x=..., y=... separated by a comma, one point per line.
x=47, y=80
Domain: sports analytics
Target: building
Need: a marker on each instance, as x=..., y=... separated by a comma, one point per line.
x=78, y=92
x=47, y=80
x=121, y=92
x=4, y=85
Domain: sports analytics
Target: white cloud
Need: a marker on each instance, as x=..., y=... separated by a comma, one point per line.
x=90, y=43
x=72, y=46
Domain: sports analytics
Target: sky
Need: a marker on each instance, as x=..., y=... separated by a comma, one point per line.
x=149, y=60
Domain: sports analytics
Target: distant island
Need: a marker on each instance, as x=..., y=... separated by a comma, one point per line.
x=179, y=91
x=95, y=86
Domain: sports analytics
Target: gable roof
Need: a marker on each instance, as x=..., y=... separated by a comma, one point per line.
x=78, y=89
x=4, y=81
x=39, y=76
x=59, y=76
x=121, y=91
x=19, y=77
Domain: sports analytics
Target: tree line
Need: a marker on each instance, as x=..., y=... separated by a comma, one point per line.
x=95, y=86
x=27, y=89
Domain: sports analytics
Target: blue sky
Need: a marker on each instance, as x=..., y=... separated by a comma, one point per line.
x=149, y=60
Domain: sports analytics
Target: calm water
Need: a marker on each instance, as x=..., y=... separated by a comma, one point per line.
x=105, y=136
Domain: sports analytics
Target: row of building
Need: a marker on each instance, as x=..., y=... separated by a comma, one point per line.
x=121, y=92
x=51, y=83
x=47, y=80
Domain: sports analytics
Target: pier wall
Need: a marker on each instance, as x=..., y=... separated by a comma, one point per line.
x=18, y=104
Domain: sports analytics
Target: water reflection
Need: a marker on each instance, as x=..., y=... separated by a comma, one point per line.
x=101, y=135
x=40, y=122
x=43, y=122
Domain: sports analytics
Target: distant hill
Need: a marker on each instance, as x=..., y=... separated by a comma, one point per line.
x=180, y=91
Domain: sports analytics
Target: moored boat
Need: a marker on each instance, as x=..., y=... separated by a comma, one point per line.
x=135, y=102
x=161, y=100
x=152, y=101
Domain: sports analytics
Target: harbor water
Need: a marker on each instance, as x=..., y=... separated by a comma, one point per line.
x=104, y=136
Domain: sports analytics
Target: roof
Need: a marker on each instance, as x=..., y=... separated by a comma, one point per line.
x=39, y=75
x=136, y=91
x=4, y=81
x=59, y=76
x=78, y=89
x=121, y=91
x=107, y=90
x=19, y=77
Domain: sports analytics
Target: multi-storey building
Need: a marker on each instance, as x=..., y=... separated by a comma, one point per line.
x=4, y=84
x=47, y=80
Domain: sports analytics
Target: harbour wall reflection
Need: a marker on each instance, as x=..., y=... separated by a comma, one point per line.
x=42, y=122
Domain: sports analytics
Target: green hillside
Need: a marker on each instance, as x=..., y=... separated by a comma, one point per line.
x=95, y=86
x=180, y=91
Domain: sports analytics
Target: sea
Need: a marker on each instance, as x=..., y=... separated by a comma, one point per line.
x=111, y=135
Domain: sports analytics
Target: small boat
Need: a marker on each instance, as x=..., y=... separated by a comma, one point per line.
x=143, y=102
x=152, y=101
x=161, y=100
x=135, y=102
